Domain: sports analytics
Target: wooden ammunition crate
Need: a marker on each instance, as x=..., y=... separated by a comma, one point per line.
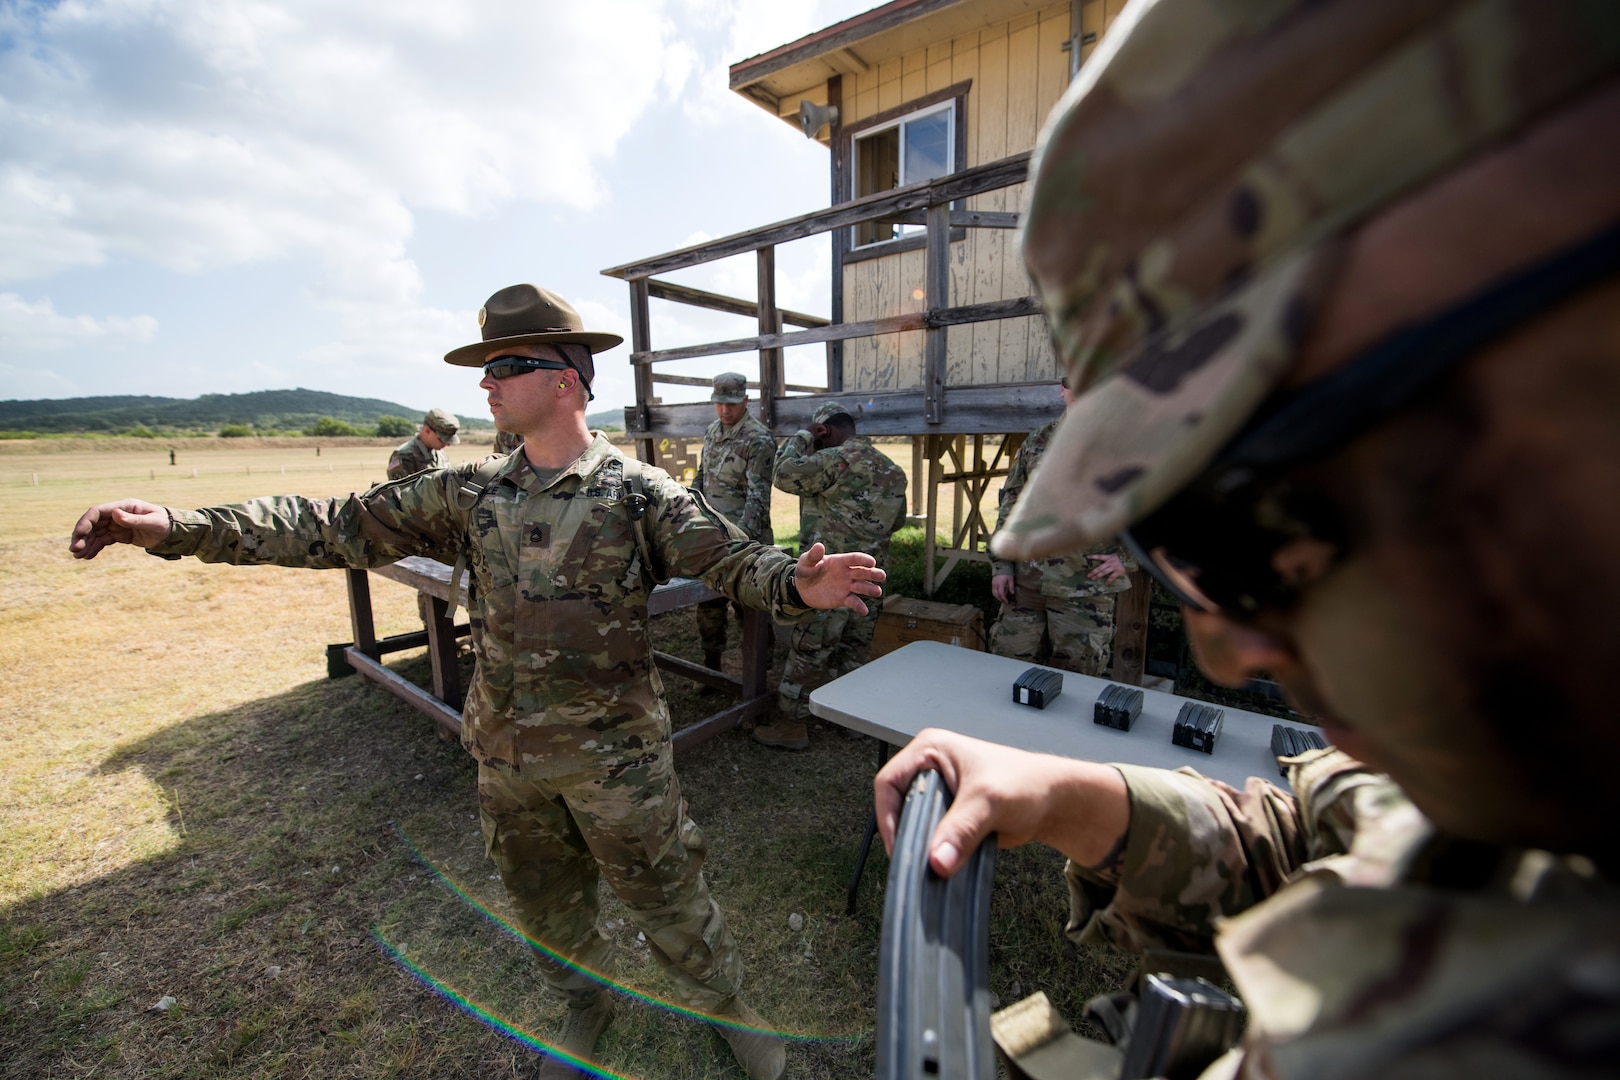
x=905, y=620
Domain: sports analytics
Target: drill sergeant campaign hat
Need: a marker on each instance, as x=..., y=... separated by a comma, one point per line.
x=1191, y=189
x=530, y=315
x=444, y=424
x=730, y=389
x=827, y=410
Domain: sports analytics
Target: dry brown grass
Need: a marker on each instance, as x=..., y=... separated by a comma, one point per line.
x=191, y=808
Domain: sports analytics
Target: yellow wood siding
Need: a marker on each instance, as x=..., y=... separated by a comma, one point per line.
x=1018, y=70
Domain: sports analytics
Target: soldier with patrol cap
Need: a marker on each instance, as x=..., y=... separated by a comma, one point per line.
x=566, y=714
x=1339, y=287
x=850, y=495
x=425, y=449
x=735, y=475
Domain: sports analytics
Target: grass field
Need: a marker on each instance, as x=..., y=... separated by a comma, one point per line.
x=192, y=810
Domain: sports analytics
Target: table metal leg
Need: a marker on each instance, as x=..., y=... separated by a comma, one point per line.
x=885, y=751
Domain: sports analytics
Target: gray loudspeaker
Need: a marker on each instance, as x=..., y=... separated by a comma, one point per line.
x=814, y=117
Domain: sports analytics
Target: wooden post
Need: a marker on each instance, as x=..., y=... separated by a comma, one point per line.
x=360, y=620
x=936, y=468
x=1130, y=629
x=770, y=360
x=756, y=653
x=936, y=291
x=641, y=341
x=918, y=478
x=840, y=237
x=441, y=634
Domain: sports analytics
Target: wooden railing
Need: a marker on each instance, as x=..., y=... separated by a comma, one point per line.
x=984, y=408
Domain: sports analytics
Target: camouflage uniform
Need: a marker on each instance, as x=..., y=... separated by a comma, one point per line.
x=1382, y=947
x=566, y=714
x=853, y=499
x=412, y=456
x=1059, y=615
x=1363, y=942
x=507, y=442
x=735, y=474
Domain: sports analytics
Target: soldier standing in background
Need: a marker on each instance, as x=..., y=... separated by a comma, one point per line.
x=1337, y=285
x=854, y=497
x=1057, y=610
x=425, y=449
x=508, y=442
x=735, y=475
x=566, y=715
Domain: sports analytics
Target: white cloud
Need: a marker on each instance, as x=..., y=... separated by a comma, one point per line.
x=195, y=135
x=38, y=327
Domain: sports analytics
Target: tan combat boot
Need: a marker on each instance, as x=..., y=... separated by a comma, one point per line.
x=758, y=1049
x=581, y=1028
x=785, y=733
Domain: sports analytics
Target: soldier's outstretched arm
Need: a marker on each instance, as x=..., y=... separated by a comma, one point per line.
x=127, y=521
x=834, y=581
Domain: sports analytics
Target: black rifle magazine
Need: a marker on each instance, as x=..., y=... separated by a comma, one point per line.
x=1117, y=707
x=1289, y=742
x=934, y=959
x=1038, y=687
x=1197, y=727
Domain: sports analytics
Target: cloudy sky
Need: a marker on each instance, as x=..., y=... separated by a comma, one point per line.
x=237, y=195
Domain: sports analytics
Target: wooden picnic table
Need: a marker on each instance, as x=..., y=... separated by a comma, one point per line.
x=443, y=702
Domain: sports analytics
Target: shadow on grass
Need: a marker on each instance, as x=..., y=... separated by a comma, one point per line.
x=290, y=819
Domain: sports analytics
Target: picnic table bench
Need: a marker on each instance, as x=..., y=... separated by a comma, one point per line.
x=443, y=701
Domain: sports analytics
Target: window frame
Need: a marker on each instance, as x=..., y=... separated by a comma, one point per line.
x=951, y=97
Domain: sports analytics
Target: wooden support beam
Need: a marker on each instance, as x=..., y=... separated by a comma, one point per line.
x=893, y=324
x=441, y=634
x=1131, y=629
x=770, y=325
x=990, y=409
x=721, y=722
x=936, y=297
x=675, y=665
x=696, y=380
x=961, y=219
x=361, y=623
x=416, y=697
x=685, y=294
x=641, y=339
x=884, y=204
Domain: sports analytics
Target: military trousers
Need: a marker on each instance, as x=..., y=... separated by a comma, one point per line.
x=831, y=644
x=711, y=622
x=554, y=839
x=1073, y=634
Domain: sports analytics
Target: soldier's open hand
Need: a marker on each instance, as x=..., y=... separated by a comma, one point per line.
x=827, y=581
x=127, y=521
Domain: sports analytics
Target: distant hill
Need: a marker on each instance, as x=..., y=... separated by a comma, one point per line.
x=606, y=419
x=263, y=410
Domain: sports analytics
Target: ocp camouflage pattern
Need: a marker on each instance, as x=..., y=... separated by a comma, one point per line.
x=735, y=474
x=558, y=598
x=412, y=456
x=1061, y=575
x=1363, y=941
x=853, y=496
x=1186, y=193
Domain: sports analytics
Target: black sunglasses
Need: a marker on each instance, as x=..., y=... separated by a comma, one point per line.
x=504, y=367
x=1212, y=544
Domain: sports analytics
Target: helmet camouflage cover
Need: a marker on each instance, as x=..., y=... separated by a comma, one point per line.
x=1188, y=190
